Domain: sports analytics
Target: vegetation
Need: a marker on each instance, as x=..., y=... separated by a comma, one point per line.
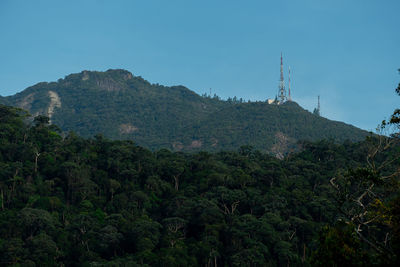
x=75, y=201
x=70, y=201
x=122, y=106
x=367, y=229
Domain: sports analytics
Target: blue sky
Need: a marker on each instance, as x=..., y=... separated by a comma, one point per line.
x=348, y=52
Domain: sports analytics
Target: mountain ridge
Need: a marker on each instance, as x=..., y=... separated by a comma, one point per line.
x=123, y=106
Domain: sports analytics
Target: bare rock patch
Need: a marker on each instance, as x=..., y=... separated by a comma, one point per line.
x=127, y=128
x=55, y=102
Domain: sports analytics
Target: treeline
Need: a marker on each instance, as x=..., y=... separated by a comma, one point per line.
x=70, y=201
x=230, y=100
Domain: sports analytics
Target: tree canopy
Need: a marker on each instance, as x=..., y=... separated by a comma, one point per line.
x=69, y=200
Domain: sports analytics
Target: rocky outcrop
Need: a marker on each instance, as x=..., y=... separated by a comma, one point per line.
x=55, y=102
x=127, y=128
x=196, y=144
x=108, y=84
x=26, y=102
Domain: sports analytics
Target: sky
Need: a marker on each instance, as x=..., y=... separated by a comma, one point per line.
x=346, y=51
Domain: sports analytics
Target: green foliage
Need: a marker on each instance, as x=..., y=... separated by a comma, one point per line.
x=367, y=229
x=339, y=247
x=80, y=202
x=122, y=106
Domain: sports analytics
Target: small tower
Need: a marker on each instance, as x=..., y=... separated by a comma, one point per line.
x=290, y=96
x=282, y=91
x=317, y=110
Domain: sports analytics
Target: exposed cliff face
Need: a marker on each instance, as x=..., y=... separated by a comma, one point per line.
x=108, y=84
x=85, y=75
x=26, y=102
x=127, y=128
x=55, y=102
x=282, y=145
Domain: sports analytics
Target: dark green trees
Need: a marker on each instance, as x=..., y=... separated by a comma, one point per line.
x=66, y=200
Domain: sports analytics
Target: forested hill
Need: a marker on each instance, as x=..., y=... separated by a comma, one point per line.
x=123, y=106
x=70, y=201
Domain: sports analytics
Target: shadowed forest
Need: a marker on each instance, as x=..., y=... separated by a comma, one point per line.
x=71, y=201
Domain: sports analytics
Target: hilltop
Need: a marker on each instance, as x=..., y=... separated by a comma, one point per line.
x=120, y=105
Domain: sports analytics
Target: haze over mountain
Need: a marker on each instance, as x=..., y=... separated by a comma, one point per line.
x=123, y=106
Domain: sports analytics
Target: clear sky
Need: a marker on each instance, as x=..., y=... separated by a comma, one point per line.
x=348, y=52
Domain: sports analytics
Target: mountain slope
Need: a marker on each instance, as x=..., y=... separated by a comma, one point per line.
x=122, y=106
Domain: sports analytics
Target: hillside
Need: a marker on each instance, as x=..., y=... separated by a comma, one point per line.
x=70, y=201
x=123, y=106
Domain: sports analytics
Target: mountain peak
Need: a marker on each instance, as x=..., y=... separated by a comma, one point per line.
x=113, y=73
x=123, y=106
x=110, y=80
x=121, y=72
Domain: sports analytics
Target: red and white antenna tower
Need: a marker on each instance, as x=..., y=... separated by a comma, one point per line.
x=282, y=91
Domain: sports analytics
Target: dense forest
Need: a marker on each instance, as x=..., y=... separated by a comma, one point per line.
x=122, y=106
x=66, y=200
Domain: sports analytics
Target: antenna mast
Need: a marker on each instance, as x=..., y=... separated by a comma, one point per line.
x=282, y=91
x=319, y=107
x=290, y=96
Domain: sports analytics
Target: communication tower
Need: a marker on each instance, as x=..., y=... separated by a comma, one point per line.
x=282, y=90
x=317, y=110
x=290, y=96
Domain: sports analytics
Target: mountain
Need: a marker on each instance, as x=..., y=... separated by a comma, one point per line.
x=123, y=106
